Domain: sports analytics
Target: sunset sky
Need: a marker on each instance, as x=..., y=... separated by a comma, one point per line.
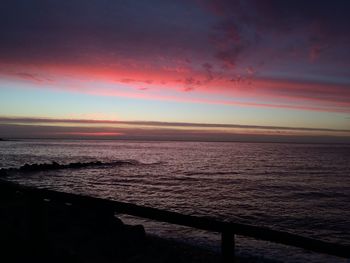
x=260, y=70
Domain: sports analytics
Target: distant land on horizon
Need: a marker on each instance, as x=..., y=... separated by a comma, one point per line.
x=46, y=128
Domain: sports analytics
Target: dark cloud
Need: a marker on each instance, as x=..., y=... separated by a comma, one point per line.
x=209, y=71
x=314, y=27
x=239, y=38
x=28, y=76
x=316, y=50
x=229, y=57
x=79, y=31
x=227, y=39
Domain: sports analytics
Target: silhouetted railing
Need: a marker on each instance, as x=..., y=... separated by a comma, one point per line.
x=228, y=230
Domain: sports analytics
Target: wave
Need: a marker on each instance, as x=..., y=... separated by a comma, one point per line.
x=56, y=166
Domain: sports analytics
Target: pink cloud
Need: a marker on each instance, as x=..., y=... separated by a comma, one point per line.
x=156, y=83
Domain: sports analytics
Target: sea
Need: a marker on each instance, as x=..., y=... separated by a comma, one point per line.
x=297, y=188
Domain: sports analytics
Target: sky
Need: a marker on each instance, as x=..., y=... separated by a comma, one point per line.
x=222, y=70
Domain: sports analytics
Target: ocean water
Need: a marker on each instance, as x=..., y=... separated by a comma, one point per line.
x=298, y=188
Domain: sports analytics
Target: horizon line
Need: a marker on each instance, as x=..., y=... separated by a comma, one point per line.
x=35, y=120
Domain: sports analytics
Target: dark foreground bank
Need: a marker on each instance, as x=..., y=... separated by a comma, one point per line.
x=58, y=232
x=48, y=231
x=50, y=226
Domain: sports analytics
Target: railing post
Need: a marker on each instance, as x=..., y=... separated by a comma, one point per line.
x=228, y=246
